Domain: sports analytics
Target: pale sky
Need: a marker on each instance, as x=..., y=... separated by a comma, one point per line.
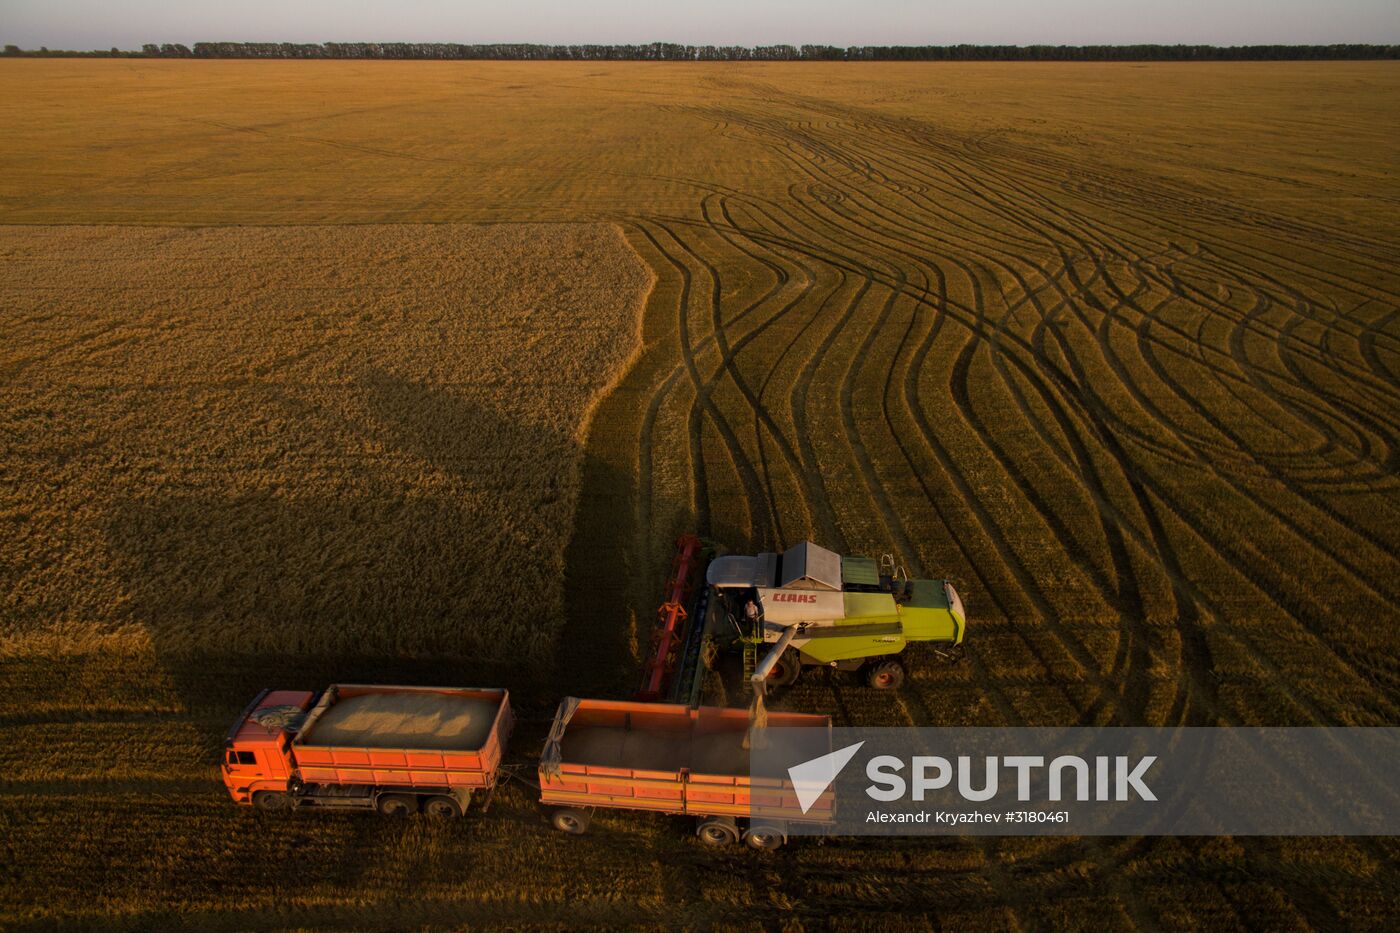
x=91, y=24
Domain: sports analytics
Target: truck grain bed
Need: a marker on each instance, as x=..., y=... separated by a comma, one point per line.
x=409, y=736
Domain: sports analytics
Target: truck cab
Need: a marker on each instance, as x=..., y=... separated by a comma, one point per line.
x=257, y=749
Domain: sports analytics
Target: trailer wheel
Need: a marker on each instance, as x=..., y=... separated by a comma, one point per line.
x=717, y=832
x=396, y=805
x=270, y=800
x=442, y=808
x=571, y=821
x=764, y=838
x=885, y=675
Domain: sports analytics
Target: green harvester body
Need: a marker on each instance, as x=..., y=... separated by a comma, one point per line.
x=846, y=611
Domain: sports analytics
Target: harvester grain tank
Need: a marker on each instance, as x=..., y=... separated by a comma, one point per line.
x=809, y=606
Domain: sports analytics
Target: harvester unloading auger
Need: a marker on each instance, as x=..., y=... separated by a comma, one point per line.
x=804, y=607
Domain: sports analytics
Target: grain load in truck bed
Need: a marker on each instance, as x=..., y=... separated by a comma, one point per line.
x=619, y=747
x=719, y=753
x=405, y=720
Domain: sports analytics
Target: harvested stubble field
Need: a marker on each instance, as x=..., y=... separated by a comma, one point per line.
x=1115, y=347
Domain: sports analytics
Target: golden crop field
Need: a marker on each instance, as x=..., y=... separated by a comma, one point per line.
x=1114, y=347
x=305, y=439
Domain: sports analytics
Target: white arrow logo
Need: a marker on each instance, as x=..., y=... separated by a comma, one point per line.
x=811, y=778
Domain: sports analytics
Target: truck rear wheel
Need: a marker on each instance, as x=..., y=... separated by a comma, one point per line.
x=442, y=808
x=764, y=838
x=885, y=675
x=717, y=832
x=271, y=800
x=571, y=821
x=396, y=805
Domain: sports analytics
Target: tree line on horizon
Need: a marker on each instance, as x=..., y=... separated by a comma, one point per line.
x=670, y=51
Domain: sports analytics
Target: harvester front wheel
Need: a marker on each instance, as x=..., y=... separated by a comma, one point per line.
x=442, y=808
x=397, y=805
x=717, y=832
x=571, y=821
x=786, y=671
x=885, y=675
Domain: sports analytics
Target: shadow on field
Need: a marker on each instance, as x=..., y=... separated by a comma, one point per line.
x=396, y=583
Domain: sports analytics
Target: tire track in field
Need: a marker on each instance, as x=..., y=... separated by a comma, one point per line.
x=882, y=214
x=705, y=386
x=703, y=407
x=972, y=277
x=799, y=457
x=1052, y=208
x=781, y=277
x=1049, y=617
x=1119, y=365
x=1241, y=446
x=1300, y=490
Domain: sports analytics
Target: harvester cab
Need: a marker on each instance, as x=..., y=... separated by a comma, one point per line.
x=809, y=606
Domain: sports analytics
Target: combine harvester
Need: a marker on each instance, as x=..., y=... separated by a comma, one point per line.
x=804, y=607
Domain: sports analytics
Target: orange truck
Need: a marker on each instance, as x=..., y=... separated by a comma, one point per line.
x=394, y=750
x=670, y=758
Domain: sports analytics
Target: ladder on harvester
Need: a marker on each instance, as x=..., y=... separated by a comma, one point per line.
x=753, y=647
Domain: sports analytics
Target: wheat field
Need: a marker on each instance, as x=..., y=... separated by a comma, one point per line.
x=305, y=439
x=1114, y=347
